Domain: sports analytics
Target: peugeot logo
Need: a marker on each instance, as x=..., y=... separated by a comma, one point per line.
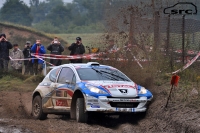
x=123, y=91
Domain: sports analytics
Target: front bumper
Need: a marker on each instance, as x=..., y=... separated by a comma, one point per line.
x=105, y=104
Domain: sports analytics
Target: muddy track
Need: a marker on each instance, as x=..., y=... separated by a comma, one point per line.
x=15, y=116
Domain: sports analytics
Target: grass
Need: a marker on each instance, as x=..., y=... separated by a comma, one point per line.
x=87, y=39
x=11, y=81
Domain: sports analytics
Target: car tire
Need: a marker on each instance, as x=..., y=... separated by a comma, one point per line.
x=81, y=115
x=37, y=111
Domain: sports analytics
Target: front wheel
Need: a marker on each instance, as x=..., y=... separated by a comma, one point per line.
x=81, y=115
x=37, y=109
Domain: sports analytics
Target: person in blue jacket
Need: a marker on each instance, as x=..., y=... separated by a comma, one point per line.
x=37, y=49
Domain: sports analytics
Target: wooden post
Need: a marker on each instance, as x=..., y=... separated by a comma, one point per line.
x=168, y=35
x=183, y=39
x=156, y=30
x=131, y=31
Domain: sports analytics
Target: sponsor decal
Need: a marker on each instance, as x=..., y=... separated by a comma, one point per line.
x=67, y=92
x=124, y=109
x=125, y=100
x=61, y=103
x=95, y=106
x=119, y=86
x=92, y=100
x=58, y=93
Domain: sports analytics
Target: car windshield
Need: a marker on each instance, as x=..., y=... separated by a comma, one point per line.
x=101, y=74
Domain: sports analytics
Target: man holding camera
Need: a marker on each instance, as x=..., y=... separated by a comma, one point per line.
x=56, y=48
x=5, y=45
x=27, y=55
x=38, y=49
x=77, y=48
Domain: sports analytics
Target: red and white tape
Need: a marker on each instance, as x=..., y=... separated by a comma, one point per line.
x=30, y=59
x=188, y=64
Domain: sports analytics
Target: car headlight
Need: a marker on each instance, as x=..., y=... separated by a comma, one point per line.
x=143, y=90
x=95, y=89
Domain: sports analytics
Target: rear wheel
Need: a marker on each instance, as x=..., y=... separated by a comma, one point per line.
x=81, y=115
x=37, y=109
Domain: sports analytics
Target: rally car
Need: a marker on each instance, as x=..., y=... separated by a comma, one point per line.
x=80, y=89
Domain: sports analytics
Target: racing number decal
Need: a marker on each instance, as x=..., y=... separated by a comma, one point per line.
x=61, y=103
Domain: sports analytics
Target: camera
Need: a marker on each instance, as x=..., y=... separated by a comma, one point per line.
x=3, y=39
x=77, y=42
x=55, y=42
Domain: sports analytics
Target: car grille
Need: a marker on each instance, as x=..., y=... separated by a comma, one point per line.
x=124, y=104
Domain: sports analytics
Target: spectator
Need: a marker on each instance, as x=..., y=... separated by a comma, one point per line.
x=77, y=48
x=16, y=53
x=112, y=47
x=56, y=48
x=38, y=49
x=5, y=45
x=27, y=54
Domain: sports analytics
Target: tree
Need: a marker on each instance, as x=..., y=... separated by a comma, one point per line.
x=34, y=2
x=59, y=16
x=16, y=11
x=91, y=10
x=39, y=10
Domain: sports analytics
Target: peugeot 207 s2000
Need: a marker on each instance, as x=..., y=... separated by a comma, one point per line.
x=79, y=89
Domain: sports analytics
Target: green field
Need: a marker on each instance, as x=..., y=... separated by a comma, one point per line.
x=87, y=39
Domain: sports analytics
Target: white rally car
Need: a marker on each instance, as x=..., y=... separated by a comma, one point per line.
x=79, y=89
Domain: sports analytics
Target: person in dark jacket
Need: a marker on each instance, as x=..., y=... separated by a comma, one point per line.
x=56, y=48
x=27, y=54
x=77, y=48
x=38, y=49
x=5, y=45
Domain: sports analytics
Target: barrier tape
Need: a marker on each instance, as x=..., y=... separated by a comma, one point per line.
x=30, y=59
x=188, y=64
x=21, y=59
x=77, y=56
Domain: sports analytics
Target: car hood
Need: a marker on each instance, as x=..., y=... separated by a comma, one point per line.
x=117, y=88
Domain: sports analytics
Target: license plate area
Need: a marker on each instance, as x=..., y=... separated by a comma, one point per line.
x=124, y=104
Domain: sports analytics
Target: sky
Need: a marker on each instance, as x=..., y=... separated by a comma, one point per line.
x=27, y=2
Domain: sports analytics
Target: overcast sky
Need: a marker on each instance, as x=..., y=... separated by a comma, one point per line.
x=27, y=1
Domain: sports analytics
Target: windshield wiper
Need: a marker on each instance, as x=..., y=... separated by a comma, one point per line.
x=115, y=75
x=112, y=78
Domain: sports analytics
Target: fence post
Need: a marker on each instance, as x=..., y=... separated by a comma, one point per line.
x=131, y=32
x=183, y=39
x=156, y=30
x=168, y=46
x=168, y=36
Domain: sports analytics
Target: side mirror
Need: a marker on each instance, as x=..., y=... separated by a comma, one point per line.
x=67, y=81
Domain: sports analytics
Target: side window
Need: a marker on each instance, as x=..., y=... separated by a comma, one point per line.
x=66, y=74
x=53, y=74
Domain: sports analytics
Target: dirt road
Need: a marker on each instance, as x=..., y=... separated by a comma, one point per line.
x=15, y=116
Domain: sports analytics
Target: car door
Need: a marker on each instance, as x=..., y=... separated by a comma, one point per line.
x=65, y=89
x=51, y=85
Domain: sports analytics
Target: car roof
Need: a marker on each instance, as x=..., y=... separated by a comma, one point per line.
x=85, y=65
